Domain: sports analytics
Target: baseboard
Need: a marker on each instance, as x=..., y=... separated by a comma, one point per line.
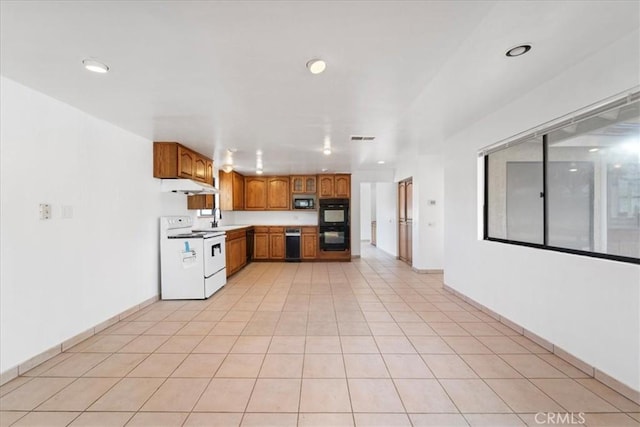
x=355, y=256
x=592, y=371
x=427, y=271
x=40, y=358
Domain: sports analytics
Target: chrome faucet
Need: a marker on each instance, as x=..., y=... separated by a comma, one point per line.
x=217, y=215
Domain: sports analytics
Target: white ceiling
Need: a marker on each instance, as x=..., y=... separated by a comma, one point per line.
x=217, y=75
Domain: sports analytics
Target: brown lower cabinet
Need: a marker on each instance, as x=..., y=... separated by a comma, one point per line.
x=236, y=248
x=261, y=243
x=276, y=242
x=309, y=243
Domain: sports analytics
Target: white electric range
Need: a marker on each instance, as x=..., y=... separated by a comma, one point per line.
x=192, y=265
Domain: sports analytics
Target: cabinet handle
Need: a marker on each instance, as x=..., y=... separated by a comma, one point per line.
x=213, y=249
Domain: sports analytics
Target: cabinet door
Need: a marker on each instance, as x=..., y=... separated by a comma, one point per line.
x=186, y=163
x=309, y=245
x=402, y=241
x=342, y=186
x=402, y=201
x=278, y=193
x=297, y=184
x=261, y=246
x=238, y=192
x=225, y=185
x=209, y=177
x=409, y=200
x=255, y=193
x=310, y=184
x=200, y=171
x=409, y=242
x=326, y=185
x=201, y=201
x=276, y=246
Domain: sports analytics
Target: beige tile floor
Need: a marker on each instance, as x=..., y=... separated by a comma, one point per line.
x=366, y=343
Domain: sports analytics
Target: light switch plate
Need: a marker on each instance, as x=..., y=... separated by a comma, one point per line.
x=45, y=211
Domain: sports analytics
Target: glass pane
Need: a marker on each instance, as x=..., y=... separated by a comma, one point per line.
x=514, y=183
x=594, y=184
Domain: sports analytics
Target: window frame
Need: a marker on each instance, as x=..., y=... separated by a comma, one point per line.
x=544, y=130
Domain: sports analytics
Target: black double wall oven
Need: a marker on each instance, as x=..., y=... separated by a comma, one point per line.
x=334, y=224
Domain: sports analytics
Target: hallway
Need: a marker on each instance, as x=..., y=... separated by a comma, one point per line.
x=312, y=344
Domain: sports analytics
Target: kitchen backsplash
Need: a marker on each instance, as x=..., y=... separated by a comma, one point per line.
x=263, y=218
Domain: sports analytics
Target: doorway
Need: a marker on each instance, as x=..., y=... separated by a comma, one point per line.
x=405, y=220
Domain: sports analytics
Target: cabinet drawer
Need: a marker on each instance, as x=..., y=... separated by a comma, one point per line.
x=236, y=234
x=276, y=229
x=258, y=229
x=309, y=230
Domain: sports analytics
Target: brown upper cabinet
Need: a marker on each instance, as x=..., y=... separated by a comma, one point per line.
x=278, y=193
x=335, y=186
x=255, y=193
x=231, y=191
x=266, y=193
x=303, y=184
x=174, y=160
x=209, y=179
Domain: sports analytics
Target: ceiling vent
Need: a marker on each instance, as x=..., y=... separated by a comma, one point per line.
x=362, y=138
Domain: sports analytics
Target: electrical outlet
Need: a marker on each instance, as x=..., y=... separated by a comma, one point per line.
x=45, y=211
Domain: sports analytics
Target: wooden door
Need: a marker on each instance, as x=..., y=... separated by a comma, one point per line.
x=276, y=245
x=255, y=193
x=261, y=246
x=186, y=162
x=342, y=186
x=278, y=193
x=200, y=171
x=238, y=192
x=405, y=213
x=326, y=185
x=402, y=201
x=309, y=245
x=402, y=242
x=409, y=227
x=409, y=200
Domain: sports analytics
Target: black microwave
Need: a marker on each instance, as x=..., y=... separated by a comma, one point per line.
x=304, y=204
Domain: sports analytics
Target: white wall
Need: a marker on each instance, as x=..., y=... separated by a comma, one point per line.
x=427, y=172
x=387, y=217
x=60, y=277
x=588, y=307
x=365, y=211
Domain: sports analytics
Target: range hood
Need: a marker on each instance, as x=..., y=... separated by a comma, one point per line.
x=187, y=186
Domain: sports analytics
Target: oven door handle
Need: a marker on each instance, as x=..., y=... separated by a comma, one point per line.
x=213, y=249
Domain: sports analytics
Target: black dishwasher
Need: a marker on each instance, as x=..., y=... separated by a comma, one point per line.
x=292, y=244
x=250, y=236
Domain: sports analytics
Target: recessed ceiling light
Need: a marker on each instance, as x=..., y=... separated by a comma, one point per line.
x=381, y=162
x=327, y=151
x=617, y=166
x=518, y=50
x=593, y=150
x=316, y=66
x=324, y=169
x=95, y=66
x=573, y=170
